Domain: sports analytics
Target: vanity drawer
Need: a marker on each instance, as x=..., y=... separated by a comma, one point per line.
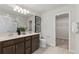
x=35, y=36
x=28, y=38
x=28, y=44
x=7, y=43
x=19, y=40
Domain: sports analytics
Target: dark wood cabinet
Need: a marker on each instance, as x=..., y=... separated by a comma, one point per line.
x=20, y=48
x=8, y=50
x=23, y=45
x=28, y=42
x=28, y=51
x=28, y=45
x=35, y=42
x=19, y=45
x=7, y=47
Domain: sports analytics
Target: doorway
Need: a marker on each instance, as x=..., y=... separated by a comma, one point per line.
x=62, y=30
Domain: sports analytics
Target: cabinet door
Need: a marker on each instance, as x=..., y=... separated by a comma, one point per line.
x=28, y=45
x=9, y=50
x=20, y=48
x=28, y=51
x=35, y=42
x=28, y=42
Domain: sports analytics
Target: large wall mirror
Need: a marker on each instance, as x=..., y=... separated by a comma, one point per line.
x=10, y=19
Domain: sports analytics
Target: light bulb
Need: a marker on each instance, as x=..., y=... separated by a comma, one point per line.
x=24, y=11
x=16, y=8
x=28, y=11
x=21, y=10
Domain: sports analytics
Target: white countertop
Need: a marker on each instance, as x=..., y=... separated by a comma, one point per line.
x=8, y=37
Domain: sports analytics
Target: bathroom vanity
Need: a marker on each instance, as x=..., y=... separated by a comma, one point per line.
x=19, y=44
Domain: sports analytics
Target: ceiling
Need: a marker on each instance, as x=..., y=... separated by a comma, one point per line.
x=34, y=8
x=40, y=8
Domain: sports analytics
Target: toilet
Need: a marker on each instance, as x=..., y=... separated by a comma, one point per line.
x=42, y=42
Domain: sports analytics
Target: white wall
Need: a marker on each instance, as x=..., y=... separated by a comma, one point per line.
x=76, y=35
x=62, y=26
x=48, y=25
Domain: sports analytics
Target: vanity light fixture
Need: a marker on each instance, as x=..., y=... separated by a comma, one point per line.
x=21, y=10
x=24, y=10
x=28, y=11
x=16, y=8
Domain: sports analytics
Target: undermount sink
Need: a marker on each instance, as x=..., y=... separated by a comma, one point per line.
x=12, y=34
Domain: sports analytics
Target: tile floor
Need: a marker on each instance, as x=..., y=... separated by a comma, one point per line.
x=52, y=50
x=63, y=43
x=61, y=48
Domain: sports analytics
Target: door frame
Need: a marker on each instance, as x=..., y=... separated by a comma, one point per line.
x=67, y=12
